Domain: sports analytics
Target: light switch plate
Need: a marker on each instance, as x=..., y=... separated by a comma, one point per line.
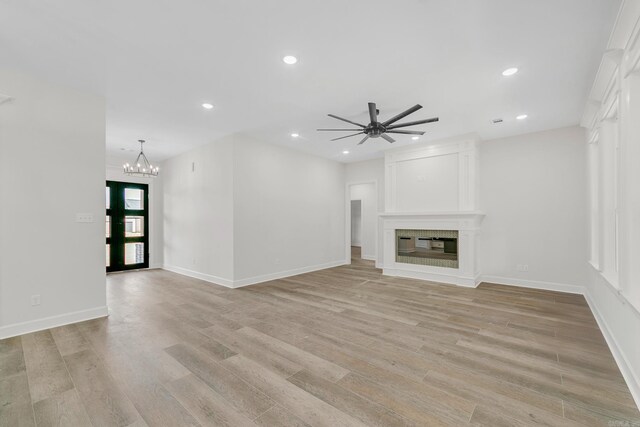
x=84, y=217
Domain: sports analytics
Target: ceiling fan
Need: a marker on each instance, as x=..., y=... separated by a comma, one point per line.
x=377, y=129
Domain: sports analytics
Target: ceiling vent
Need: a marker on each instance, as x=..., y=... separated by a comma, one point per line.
x=496, y=121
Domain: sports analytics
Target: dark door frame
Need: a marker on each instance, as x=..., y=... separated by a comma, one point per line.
x=117, y=211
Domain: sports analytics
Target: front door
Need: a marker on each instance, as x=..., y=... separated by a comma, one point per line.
x=127, y=226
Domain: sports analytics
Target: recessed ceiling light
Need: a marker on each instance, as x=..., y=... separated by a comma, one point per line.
x=521, y=117
x=345, y=152
x=290, y=60
x=294, y=135
x=415, y=138
x=509, y=71
x=207, y=106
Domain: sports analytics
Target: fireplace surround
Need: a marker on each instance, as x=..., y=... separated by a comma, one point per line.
x=466, y=225
x=431, y=194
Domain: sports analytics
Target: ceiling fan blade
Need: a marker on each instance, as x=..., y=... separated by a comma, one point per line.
x=406, y=132
x=345, y=120
x=387, y=138
x=363, y=140
x=403, y=114
x=341, y=130
x=348, y=136
x=373, y=114
x=417, y=122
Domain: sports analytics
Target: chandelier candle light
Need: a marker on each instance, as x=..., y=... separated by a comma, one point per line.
x=141, y=166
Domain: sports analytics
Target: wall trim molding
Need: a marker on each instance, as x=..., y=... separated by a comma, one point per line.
x=633, y=382
x=287, y=273
x=368, y=257
x=22, y=328
x=233, y=284
x=534, y=284
x=198, y=275
x=433, y=276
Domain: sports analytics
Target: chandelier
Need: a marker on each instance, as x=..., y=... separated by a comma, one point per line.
x=141, y=167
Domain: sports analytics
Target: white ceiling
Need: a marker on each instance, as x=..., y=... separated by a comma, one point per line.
x=156, y=62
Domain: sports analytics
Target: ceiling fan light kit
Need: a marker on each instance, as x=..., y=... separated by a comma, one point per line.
x=376, y=129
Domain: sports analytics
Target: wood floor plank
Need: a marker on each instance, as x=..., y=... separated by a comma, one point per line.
x=342, y=346
x=292, y=398
x=10, y=345
x=278, y=416
x=12, y=364
x=105, y=402
x=358, y=407
x=64, y=409
x=247, y=399
x=209, y=407
x=309, y=361
x=17, y=415
x=47, y=372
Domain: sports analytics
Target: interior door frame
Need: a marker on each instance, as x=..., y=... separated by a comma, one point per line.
x=117, y=209
x=347, y=225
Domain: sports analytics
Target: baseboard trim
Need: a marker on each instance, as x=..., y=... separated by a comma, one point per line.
x=287, y=273
x=198, y=275
x=633, y=382
x=534, y=284
x=22, y=328
x=252, y=280
x=369, y=257
x=448, y=279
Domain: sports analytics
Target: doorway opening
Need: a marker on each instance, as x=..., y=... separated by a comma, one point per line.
x=361, y=221
x=356, y=229
x=127, y=226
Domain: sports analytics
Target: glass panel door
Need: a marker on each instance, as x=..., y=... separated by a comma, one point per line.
x=127, y=226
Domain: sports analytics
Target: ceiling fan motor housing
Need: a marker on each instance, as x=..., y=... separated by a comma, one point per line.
x=374, y=130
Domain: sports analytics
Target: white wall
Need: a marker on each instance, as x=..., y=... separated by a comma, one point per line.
x=198, y=212
x=356, y=223
x=52, y=158
x=288, y=211
x=370, y=171
x=366, y=193
x=532, y=190
x=251, y=211
x=612, y=120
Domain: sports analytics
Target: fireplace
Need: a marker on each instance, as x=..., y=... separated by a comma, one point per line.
x=438, y=248
x=430, y=227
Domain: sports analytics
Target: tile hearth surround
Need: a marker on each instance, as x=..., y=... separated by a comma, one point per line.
x=434, y=188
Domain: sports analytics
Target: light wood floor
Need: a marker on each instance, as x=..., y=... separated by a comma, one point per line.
x=344, y=346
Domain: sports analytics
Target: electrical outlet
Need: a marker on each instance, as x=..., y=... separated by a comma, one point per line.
x=35, y=300
x=84, y=217
x=522, y=267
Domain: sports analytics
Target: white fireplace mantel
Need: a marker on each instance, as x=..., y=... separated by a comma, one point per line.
x=471, y=215
x=466, y=223
x=433, y=187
